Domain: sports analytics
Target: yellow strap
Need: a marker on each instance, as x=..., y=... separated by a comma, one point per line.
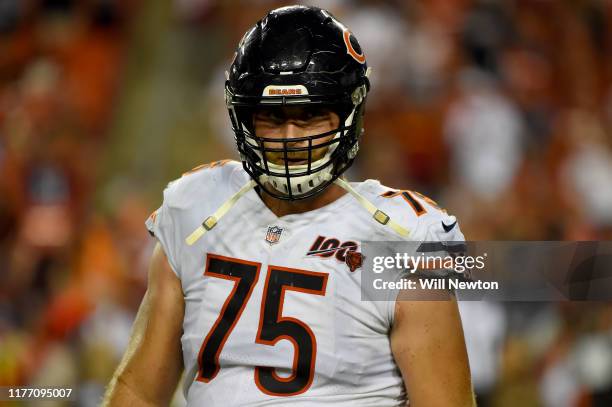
x=212, y=220
x=378, y=215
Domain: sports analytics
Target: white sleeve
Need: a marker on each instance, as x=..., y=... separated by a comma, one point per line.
x=161, y=226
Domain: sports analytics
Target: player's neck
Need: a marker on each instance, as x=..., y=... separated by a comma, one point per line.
x=281, y=208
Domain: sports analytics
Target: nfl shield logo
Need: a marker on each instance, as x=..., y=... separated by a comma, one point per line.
x=273, y=235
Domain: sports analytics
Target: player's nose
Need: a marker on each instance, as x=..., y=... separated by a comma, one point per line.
x=292, y=130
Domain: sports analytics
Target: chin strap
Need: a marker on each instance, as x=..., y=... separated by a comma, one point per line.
x=212, y=220
x=378, y=215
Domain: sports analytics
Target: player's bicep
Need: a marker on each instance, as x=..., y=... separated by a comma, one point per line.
x=428, y=345
x=152, y=364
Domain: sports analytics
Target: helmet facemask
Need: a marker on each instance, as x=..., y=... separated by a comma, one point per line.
x=316, y=169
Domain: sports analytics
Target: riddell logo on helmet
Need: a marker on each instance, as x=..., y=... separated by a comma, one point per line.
x=291, y=90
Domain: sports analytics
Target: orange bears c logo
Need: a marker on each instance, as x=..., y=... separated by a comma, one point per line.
x=350, y=50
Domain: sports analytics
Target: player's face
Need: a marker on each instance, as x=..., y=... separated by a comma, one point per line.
x=293, y=122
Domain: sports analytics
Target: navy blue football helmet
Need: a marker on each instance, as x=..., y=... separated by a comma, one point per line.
x=298, y=55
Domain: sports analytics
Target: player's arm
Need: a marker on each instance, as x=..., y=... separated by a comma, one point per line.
x=152, y=364
x=428, y=345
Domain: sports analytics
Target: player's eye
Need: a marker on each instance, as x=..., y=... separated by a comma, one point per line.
x=303, y=117
x=271, y=116
x=276, y=117
x=314, y=115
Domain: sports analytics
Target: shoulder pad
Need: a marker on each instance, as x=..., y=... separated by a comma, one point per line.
x=190, y=197
x=199, y=182
x=422, y=215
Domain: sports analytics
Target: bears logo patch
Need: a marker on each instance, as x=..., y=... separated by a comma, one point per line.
x=353, y=260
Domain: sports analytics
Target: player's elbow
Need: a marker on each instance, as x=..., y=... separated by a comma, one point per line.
x=126, y=390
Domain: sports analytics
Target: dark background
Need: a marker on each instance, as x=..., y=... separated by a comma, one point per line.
x=501, y=110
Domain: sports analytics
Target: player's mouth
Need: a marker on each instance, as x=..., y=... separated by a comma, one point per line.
x=290, y=160
x=294, y=161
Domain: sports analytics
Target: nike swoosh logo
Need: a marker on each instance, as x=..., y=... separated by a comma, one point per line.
x=448, y=228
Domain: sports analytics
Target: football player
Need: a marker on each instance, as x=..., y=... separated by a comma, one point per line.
x=254, y=285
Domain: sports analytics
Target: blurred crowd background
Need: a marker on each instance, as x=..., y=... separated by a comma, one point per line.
x=499, y=109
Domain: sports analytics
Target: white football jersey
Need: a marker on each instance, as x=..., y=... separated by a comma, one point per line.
x=273, y=309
